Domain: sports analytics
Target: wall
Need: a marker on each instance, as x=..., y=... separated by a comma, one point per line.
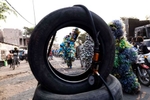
x=14, y=36
x=4, y=49
x=131, y=24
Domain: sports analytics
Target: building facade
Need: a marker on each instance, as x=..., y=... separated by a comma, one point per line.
x=10, y=38
x=14, y=37
x=131, y=24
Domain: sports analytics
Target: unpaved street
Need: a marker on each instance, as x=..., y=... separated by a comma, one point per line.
x=18, y=84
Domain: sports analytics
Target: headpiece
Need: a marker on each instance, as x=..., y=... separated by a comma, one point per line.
x=76, y=30
x=117, y=28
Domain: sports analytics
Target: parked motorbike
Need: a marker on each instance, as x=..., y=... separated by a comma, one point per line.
x=142, y=68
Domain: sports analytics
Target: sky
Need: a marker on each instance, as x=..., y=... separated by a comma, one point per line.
x=107, y=9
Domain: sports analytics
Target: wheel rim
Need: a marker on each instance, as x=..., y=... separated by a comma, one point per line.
x=145, y=78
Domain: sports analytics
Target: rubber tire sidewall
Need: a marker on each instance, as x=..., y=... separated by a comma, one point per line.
x=37, y=47
x=98, y=94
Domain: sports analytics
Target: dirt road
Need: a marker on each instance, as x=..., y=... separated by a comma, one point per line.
x=18, y=84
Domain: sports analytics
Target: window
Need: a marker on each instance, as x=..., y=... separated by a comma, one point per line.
x=148, y=32
x=20, y=41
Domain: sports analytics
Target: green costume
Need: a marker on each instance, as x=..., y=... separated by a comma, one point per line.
x=67, y=47
x=125, y=55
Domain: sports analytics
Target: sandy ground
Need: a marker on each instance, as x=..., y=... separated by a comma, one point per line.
x=20, y=84
x=15, y=82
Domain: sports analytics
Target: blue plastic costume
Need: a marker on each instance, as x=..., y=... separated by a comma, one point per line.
x=125, y=55
x=67, y=47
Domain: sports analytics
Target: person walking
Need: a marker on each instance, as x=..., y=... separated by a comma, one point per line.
x=9, y=58
x=125, y=55
x=50, y=55
x=15, y=53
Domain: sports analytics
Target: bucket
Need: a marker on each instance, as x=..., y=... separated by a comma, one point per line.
x=5, y=63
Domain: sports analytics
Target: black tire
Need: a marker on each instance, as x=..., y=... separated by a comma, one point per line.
x=45, y=74
x=144, y=81
x=98, y=94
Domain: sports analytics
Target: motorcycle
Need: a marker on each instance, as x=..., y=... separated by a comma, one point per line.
x=142, y=69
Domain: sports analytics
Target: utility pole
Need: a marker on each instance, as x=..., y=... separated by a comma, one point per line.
x=34, y=12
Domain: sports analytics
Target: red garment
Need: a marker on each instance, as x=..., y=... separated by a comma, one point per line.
x=50, y=54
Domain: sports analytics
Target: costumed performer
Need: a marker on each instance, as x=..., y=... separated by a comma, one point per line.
x=125, y=55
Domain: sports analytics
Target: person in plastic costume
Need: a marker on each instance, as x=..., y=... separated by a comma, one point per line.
x=125, y=55
x=87, y=52
x=67, y=47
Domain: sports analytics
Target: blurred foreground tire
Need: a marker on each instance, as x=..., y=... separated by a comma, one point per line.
x=98, y=94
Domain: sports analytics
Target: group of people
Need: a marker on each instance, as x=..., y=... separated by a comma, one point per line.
x=12, y=57
x=138, y=44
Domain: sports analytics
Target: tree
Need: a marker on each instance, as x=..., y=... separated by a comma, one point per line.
x=3, y=9
x=28, y=31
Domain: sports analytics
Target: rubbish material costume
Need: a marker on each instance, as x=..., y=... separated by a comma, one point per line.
x=125, y=55
x=87, y=52
x=67, y=47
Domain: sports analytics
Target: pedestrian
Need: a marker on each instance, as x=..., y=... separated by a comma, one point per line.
x=15, y=53
x=50, y=55
x=15, y=58
x=9, y=58
x=125, y=55
x=133, y=41
x=56, y=52
x=142, y=48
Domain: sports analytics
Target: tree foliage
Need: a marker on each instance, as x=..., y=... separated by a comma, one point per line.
x=28, y=31
x=3, y=9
